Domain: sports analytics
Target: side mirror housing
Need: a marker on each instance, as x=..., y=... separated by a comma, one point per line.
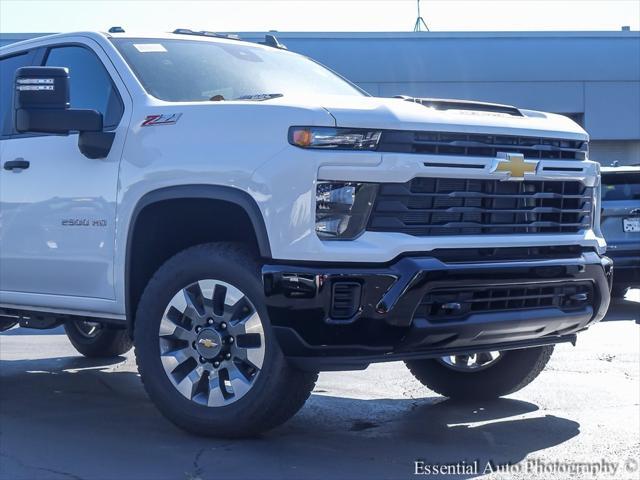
x=42, y=103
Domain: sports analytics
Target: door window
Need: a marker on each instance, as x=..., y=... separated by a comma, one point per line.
x=8, y=67
x=90, y=84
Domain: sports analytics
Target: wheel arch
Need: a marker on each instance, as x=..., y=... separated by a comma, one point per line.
x=214, y=193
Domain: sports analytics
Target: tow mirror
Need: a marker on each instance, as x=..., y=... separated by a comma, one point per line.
x=42, y=103
x=42, y=106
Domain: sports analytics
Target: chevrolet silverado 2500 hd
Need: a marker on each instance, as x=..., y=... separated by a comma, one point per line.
x=247, y=218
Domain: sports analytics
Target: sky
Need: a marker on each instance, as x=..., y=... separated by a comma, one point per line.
x=317, y=15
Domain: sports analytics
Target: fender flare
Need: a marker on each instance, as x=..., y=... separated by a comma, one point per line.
x=209, y=192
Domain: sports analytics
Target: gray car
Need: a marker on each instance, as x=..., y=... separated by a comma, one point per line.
x=621, y=224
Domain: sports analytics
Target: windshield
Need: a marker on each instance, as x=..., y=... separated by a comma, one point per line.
x=188, y=71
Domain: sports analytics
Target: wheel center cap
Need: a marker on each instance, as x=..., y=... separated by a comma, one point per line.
x=208, y=343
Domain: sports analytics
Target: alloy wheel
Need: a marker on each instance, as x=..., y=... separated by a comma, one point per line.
x=473, y=362
x=88, y=329
x=211, y=343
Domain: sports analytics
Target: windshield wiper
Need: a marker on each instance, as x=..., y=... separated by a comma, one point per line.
x=260, y=97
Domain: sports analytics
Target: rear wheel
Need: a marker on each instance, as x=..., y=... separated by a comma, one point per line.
x=93, y=339
x=205, y=349
x=482, y=375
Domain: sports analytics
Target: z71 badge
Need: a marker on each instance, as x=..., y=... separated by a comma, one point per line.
x=153, y=120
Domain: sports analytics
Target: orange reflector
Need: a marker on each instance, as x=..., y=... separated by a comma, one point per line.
x=302, y=137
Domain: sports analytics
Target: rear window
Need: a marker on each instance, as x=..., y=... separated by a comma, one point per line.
x=621, y=186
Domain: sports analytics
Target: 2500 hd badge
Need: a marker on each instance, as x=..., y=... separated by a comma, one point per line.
x=83, y=222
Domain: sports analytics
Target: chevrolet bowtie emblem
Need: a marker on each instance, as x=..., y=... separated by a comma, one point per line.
x=515, y=165
x=207, y=343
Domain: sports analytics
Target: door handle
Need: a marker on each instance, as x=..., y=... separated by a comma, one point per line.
x=17, y=164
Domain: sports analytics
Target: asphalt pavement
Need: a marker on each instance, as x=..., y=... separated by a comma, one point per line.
x=66, y=417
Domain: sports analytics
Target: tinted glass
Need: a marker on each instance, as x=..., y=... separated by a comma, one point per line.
x=91, y=85
x=621, y=186
x=183, y=70
x=8, y=67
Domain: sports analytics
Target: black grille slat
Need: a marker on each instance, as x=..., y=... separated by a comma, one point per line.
x=538, y=195
x=502, y=225
x=461, y=144
x=504, y=210
x=480, y=145
x=345, y=299
x=451, y=206
x=389, y=191
x=436, y=305
x=510, y=298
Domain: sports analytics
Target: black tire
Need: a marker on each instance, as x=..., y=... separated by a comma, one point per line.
x=514, y=370
x=619, y=291
x=105, y=342
x=278, y=392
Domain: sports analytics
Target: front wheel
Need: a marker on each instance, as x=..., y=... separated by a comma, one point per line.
x=483, y=375
x=205, y=350
x=93, y=339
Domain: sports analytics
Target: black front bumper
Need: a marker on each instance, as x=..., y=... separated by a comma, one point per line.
x=387, y=324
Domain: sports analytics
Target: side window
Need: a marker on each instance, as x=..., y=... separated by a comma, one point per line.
x=91, y=85
x=8, y=67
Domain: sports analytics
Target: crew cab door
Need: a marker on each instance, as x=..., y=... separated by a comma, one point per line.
x=58, y=207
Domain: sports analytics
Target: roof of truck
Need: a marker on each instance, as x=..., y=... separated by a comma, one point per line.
x=195, y=36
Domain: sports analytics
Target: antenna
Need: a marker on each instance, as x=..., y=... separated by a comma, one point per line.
x=420, y=21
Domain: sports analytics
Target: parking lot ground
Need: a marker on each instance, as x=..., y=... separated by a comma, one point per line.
x=66, y=417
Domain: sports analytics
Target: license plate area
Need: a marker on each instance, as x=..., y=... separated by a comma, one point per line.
x=631, y=225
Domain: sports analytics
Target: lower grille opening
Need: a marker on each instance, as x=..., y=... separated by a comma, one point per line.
x=453, y=255
x=345, y=300
x=441, y=305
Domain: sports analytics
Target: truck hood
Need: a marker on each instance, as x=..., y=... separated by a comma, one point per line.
x=400, y=114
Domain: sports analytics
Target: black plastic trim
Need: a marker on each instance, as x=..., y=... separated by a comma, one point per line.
x=19, y=164
x=487, y=145
x=95, y=144
x=360, y=362
x=298, y=300
x=456, y=104
x=211, y=192
x=445, y=206
x=20, y=314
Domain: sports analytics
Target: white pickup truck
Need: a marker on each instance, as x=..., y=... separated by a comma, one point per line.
x=247, y=218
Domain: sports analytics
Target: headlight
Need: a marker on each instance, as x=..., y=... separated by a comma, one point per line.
x=343, y=208
x=334, y=138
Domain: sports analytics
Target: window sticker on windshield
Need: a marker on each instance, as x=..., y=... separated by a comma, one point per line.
x=149, y=47
x=248, y=54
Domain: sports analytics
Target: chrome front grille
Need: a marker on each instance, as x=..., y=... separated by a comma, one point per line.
x=452, y=206
x=481, y=145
